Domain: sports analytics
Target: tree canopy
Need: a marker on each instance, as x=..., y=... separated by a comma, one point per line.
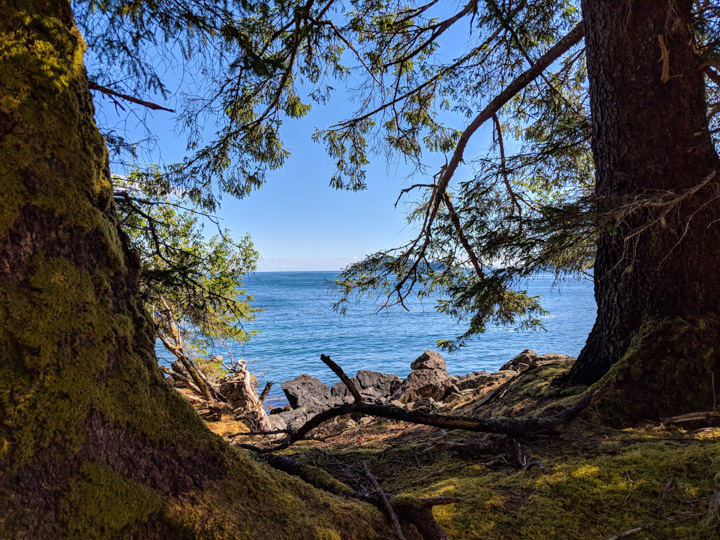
x=426, y=78
x=95, y=443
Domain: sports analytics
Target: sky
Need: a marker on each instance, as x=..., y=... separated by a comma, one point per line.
x=296, y=221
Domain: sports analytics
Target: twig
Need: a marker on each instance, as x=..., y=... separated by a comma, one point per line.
x=665, y=59
x=385, y=502
x=132, y=99
x=632, y=531
x=709, y=416
x=265, y=392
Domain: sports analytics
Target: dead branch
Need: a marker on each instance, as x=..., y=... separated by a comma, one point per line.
x=632, y=531
x=525, y=461
x=265, y=392
x=337, y=370
x=665, y=59
x=385, y=502
x=419, y=513
x=260, y=433
x=709, y=417
x=508, y=426
x=132, y=99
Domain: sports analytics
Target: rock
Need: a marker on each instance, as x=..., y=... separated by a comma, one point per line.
x=523, y=361
x=555, y=358
x=479, y=379
x=339, y=390
x=301, y=390
x=429, y=360
x=295, y=418
x=424, y=383
x=385, y=383
x=277, y=422
x=278, y=410
x=426, y=404
x=381, y=385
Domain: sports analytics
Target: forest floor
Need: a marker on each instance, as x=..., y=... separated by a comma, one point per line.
x=587, y=480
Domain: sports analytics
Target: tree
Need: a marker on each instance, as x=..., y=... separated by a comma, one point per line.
x=603, y=156
x=93, y=442
x=191, y=286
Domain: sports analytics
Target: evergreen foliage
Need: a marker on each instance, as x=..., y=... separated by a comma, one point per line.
x=426, y=78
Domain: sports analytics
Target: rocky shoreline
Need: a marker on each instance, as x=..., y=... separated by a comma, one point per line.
x=426, y=386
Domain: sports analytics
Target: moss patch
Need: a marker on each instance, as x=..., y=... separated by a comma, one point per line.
x=102, y=504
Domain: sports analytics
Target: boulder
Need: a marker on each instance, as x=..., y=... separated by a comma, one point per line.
x=424, y=383
x=295, y=418
x=301, y=390
x=425, y=405
x=429, y=360
x=385, y=383
x=379, y=385
x=523, y=361
x=278, y=410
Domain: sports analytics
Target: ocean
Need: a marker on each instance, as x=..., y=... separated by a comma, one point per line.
x=299, y=324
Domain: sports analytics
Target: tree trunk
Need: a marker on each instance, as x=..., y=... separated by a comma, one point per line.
x=93, y=442
x=656, y=290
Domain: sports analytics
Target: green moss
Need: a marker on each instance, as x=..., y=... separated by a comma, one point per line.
x=62, y=332
x=665, y=359
x=101, y=504
x=588, y=496
x=81, y=398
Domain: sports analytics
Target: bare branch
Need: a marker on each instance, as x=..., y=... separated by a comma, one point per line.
x=385, y=502
x=110, y=92
x=337, y=370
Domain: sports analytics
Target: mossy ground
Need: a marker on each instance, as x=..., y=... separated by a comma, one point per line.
x=596, y=481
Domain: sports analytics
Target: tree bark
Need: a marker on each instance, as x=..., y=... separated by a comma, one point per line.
x=93, y=442
x=651, y=139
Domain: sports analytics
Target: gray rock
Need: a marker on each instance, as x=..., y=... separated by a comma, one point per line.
x=295, y=418
x=277, y=422
x=523, y=361
x=424, y=383
x=339, y=390
x=381, y=385
x=429, y=360
x=301, y=390
x=385, y=383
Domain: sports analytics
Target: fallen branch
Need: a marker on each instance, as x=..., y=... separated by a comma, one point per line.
x=709, y=417
x=508, y=426
x=337, y=370
x=385, y=502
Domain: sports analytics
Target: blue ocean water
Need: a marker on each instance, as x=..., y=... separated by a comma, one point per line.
x=299, y=324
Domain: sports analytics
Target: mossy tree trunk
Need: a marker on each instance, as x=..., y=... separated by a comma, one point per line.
x=93, y=442
x=650, y=138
